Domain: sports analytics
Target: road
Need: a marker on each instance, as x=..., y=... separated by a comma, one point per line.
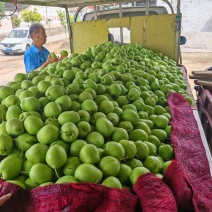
x=12, y=64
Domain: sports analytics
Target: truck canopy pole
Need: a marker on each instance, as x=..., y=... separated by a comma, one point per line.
x=69, y=29
x=170, y=5
x=147, y=7
x=95, y=13
x=121, y=28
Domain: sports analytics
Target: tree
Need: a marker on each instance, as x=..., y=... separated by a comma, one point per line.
x=62, y=18
x=17, y=21
x=31, y=15
x=2, y=10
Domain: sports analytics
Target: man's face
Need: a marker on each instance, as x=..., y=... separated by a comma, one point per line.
x=40, y=36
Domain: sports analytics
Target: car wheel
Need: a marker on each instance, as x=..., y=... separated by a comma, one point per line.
x=110, y=37
x=27, y=47
x=6, y=53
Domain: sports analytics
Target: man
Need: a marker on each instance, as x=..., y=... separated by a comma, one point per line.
x=37, y=56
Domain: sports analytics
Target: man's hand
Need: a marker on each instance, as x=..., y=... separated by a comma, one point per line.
x=4, y=198
x=51, y=59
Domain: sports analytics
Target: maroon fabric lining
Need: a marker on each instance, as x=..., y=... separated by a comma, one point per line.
x=154, y=195
x=75, y=197
x=189, y=177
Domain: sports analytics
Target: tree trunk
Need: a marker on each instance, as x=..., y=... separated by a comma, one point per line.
x=12, y=20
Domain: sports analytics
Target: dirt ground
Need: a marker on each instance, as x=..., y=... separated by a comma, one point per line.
x=12, y=64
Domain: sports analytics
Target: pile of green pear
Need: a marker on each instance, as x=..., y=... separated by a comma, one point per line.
x=100, y=116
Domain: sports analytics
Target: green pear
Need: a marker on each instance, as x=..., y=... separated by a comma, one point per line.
x=24, y=141
x=130, y=148
x=153, y=164
x=109, y=166
x=88, y=173
x=36, y=153
x=166, y=152
x=3, y=128
x=54, y=91
x=165, y=166
x=30, y=184
x=104, y=126
x=52, y=121
x=114, y=149
x=47, y=183
x=137, y=172
x=17, y=183
x=90, y=106
x=133, y=163
x=95, y=138
x=71, y=165
x=142, y=150
x=119, y=134
x=61, y=143
x=68, y=116
x=69, y=132
x=84, y=128
x=27, y=165
x=64, y=102
x=33, y=124
x=89, y=153
x=40, y=173
x=112, y=182
x=53, y=55
x=66, y=179
x=6, y=144
x=10, y=167
x=20, y=178
x=24, y=115
x=76, y=146
x=14, y=127
x=52, y=110
x=56, y=156
x=48, y=134
x=124, y=173
x=16, y=153
x=30, y=104
x=152, y=148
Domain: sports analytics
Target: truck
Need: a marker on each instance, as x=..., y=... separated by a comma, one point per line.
x=190, y=172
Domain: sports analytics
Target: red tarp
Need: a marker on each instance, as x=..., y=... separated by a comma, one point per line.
x=186, y=185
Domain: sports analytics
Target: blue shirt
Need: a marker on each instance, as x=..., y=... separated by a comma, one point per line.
x=34, y=58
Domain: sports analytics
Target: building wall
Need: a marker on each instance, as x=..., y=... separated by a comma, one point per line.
x=196, y=15
x=196, y=24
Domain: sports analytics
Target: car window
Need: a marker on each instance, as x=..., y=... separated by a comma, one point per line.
x=18, y=33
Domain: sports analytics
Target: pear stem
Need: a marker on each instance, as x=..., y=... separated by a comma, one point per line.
x=124, y=159
x=57, y=173
x=24, y=172
x=21, y=153
x=97, y=180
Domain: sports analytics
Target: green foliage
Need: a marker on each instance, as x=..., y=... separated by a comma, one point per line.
x=2, y=10
x=71, y=17
x=31, y=15
x=62, y=17
x=17, y=21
